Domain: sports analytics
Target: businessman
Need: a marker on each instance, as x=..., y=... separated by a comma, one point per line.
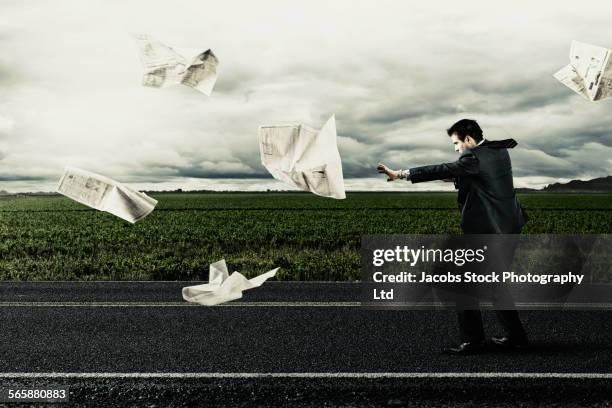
x=488, y=205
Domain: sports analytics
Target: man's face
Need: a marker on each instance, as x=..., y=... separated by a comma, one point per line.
x=460, y=146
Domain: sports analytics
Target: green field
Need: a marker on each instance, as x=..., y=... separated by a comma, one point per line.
x=309, y=237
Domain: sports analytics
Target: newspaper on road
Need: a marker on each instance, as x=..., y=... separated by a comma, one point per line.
x=223, y=287
x=165, y=66
x=104, y=194
x=589, y=72
x=304, y=157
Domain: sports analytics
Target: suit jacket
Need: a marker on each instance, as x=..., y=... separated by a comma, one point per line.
x=486, y=199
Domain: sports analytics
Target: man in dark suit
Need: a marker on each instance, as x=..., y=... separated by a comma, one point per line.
x=488, y=205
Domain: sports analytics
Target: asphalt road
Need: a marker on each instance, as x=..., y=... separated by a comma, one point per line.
x=298, y=344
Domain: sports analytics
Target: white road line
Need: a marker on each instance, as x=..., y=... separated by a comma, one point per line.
x=306, y=375
x=382, y=306
x=178, y=304
x=89, y=282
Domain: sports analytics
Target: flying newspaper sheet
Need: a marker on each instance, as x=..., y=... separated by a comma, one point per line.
x=304, y=157
x=589, y=72
x=104, y=194
x=222, y=287
x=165, y=66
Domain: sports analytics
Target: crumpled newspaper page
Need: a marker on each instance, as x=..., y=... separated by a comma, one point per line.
x=222, y=287
x=165, y=66
x=589, y=72
x=102, y=193
x=304, y=157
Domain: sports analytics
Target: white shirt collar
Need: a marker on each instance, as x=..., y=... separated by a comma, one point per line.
x=481, y=142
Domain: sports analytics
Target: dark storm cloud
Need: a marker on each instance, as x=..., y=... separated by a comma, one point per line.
x=18, y=177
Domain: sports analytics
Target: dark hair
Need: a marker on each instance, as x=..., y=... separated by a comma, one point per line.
x=466, y=127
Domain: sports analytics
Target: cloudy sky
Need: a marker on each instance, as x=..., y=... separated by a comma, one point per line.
x=396, y=74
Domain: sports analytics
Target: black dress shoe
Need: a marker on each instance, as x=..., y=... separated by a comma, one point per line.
x=508, y=343
x=466, y=348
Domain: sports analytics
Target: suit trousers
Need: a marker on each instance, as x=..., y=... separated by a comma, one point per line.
x=470, y=320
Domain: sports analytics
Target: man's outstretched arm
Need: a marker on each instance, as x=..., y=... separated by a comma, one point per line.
x=466, y=165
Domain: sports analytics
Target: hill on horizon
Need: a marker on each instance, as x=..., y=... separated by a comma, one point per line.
x=601, y=184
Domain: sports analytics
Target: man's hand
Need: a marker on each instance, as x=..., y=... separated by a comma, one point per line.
x=391, y=174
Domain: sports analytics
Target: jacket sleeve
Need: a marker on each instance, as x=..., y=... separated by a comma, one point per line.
x=467, y=165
